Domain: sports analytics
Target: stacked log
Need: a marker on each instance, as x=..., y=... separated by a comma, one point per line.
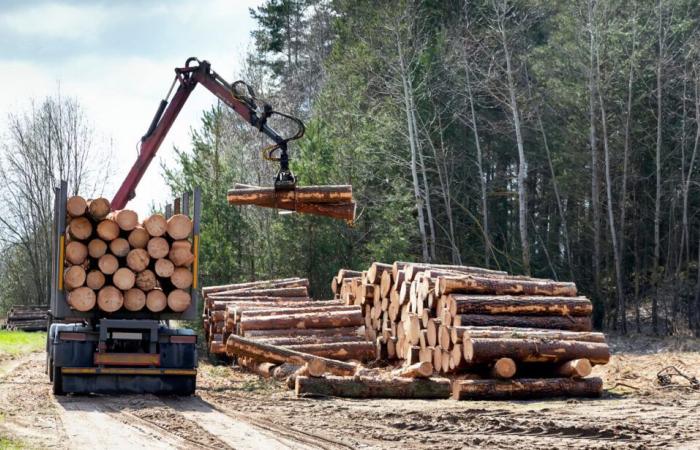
x=330, y=201
x=280, y=313
x=27, y=318
x=115, y=263
x=478, y=321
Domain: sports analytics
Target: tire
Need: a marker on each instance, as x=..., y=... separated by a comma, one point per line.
x=57, y=380
x=49, y=367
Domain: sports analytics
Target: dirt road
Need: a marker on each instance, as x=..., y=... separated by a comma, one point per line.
x=233, y=409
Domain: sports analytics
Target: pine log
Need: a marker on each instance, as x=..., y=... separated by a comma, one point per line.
x=456, y=334
x=263, y=284
x=344, y=211
x=385, y=284
x=182, y=278
x=76, y=252
x=126, y=219
x=285, y=341
x=74, y=277
x=157, y=247
x=526, y=388
x=485, y=350
x=347, y=273
x=341, y=351
x=179, y=226
x=138, y=238
x=137, y=259
x=335, y=288
x=240, y=346
x=119, y=247
x=82, y=299
x=310, y=320
x=370, y=387
x=134, y=299
x=79, y=228
x=181, y=253
x=110, y=299
x=107, y=230
x=549, y=322
x=305, y=194
x=417, y=370
x=156, y=300
x=518, y=305
x=483, y=285
x=273, y=292
x=146, y=280
x=76, y=206
x=164, y=268
x=97, y=248
x=252, y=311
x=99, y=208
x=179, y=300
x=412, y=270
x=124, y=278
x=376, y=270
x=95, y=280
x=577, y=368
x=291, y=332
x=108, y=264
x=285, y=371
x=264, y=369
x=245, y=303
x=156, y=225
x=503, y=368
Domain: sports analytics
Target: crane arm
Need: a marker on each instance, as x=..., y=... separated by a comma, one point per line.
x=186, y=79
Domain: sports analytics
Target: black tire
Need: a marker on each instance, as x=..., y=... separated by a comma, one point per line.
x=57, y=380
x=49, y=367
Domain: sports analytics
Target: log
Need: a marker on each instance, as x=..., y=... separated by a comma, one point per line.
x=457, y=332
x=156, y=225
x=124, y=278
x=264, y=369
x=182, y=278
x=146, y=280
x=486, y=351
x=577, y=368
x=181, y=253
x=347, y=273
x=518, y=305
x=249, y=311
x=137, y=259
x=110, y=299
x=179, y=300
x=76, y=252
x=119, y=247
x=340, y=331
x=526, y=388
x=503, y=368
x=108, y=264
x=81, y=299
x=97, y=248
x=471, y=284
x=310, y=320
x=344, y=211
x=134, y=299
x=261, y=302
x=417, y=370
x=264, y=196
x=274, y=292
x=264, y=284
x=156, y=300
x=95, y=280
x=376, y=270
x=126, y=219
x=138, y=238
x=157, y=247
x=107, y=230
x=412, y=270
x=98, y=208
x=341, y=351
x=79, y=228
x=549, y=322
x=74, y=277
x=285, y=341
x=240, y=346
x=179, y=226
x=164, y=268
x=285, y=371
x=370, y=387
x=76, y=206
x=385, y=284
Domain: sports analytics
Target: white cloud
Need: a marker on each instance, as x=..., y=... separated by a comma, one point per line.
x=56, y=20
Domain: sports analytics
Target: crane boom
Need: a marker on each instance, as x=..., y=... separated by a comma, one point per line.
x=187, y=78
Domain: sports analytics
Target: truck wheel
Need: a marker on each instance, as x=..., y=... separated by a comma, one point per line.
x=49, y=367
x=57, y=380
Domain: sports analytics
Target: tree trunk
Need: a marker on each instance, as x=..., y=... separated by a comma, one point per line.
x=496, y=332
x=526, y=388
x=341, y=351
x=290, y=332
x=595, y=189
x=304, y=194
x=366, y=387
x=488, y=350
x=547, y=322
x=519, y=305
x=500, y=286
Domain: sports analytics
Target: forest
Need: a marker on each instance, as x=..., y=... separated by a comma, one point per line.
x=557, y=139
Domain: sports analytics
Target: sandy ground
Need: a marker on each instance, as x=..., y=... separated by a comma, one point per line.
x=233, y=409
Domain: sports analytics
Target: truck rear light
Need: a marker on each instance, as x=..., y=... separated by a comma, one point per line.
x=71, y=336
x=183, y=339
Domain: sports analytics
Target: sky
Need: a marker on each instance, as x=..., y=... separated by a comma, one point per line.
x=117, y=59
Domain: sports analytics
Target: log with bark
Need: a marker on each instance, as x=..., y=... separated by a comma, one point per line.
x=309, y=320
x=487, y=350
x=496, y=332
x=472, y=284
x=341, y=351
x=518, y=305
x=549, y=322
x=371, y=387
x=526, y=388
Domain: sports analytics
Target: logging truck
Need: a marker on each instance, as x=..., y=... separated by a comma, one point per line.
x=98, y=349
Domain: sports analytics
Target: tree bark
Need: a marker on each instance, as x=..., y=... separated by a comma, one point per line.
x=310, y=320
x=526, y=388
x=303, y=194
x=501, y=286
x=341, y=351
x=496, y=332
x=366, y=387
x=516, y=305
x=547, y=322
x=487, y=350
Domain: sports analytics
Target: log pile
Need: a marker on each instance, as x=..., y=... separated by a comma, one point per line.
x=114, y=262
x=330, y=201
x=27, y=318
x=280, y=314
x=485, y=323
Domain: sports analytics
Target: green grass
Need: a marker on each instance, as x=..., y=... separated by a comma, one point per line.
x=16, y=343
x=10, y=444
